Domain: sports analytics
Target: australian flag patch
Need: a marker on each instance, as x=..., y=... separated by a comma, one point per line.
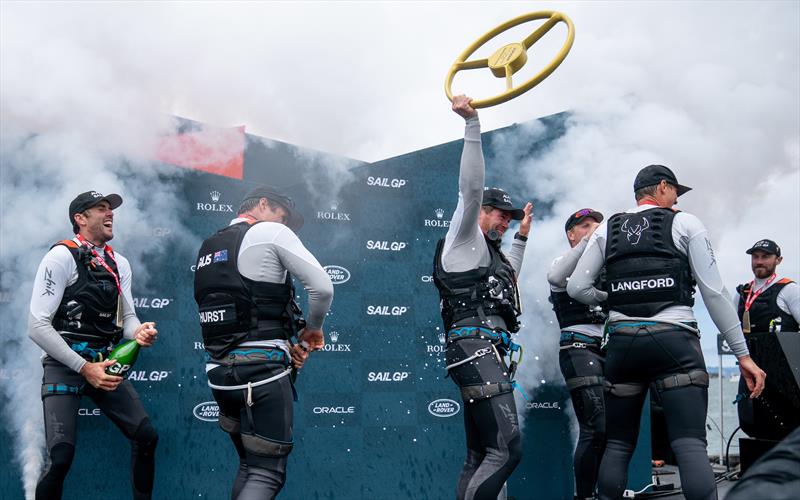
x=221, y=256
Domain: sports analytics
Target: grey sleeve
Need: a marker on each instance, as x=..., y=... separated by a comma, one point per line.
x=580, y=284
x=704, y=268
x=789, y=300
x=305, y=267
x=564, y=264
x=129, y=320
x=51, y=279
x=517, y=254
x=463, y=247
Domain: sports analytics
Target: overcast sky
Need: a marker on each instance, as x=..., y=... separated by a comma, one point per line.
x=711, y=89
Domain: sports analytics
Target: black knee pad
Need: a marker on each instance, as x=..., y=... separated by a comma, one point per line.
x=61, y=456
x=145, y=437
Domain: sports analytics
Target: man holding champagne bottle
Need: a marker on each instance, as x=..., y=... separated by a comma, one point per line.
x=80, y=307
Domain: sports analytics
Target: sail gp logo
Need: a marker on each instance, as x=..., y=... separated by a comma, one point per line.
x=439, y=221
x=386, y=182
x=214, y=206
x=635, y=232
x=333, y=214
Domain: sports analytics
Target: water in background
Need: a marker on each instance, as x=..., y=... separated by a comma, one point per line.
x=730, y=420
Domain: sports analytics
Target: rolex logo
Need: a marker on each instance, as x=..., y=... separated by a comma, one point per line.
x=439, y=221
x=333, y=214
x=214, y=206
x=441, y=337
x=334, y=336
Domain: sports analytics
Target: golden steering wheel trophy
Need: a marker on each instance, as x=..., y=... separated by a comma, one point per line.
x=508, y=59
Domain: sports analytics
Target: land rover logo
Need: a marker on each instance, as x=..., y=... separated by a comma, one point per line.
x=337, y=274
x=207, y=411
x=443, y=408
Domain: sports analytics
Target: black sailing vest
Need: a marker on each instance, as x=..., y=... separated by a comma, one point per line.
x=645, y=272
x=478, y=293
x=570, y=312
x=234, y=309
x=88, y=309
x=765, y=308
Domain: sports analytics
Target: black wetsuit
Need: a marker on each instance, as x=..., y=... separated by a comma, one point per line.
x=85, y=322
x=652, y=257
x=494, y=446
x=246, y=324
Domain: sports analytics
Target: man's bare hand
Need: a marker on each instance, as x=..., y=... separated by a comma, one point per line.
x=753, y=376
x=461, y=105
x=299, y=355
x=313, y=337
x=525, y=223
x=146, y=334
x=95, y=374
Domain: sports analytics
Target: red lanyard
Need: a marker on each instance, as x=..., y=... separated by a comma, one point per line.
x=752, y=296
x=249, y=218
x=101, y=260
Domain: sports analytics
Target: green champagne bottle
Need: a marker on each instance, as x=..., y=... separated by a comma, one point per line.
x=125, y=354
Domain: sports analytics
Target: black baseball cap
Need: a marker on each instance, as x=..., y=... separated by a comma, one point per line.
x=766, y=246
x=293, y=218
x=581, y=214
x=498, y=198
x=87, y=200
x=653, y=174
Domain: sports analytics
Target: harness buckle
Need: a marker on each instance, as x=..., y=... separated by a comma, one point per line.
x=483, y=352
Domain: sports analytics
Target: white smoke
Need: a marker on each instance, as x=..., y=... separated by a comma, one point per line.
x=712, y=90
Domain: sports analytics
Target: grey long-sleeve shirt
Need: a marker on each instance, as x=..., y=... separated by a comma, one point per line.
x=559, y=273
x=56, y=272
x=268, y=251
x=464, y=245
x=690, y=238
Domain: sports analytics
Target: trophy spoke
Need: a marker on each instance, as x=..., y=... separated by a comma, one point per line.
x=509, y=72
x=474, y=64
x=540, y=32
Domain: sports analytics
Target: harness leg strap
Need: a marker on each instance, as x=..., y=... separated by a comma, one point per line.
x=624, y=390
x=697, y=378
x=485, y=391
x=578, y=382
x=260, y=445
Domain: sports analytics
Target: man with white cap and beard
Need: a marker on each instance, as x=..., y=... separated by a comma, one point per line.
x=653, y=256
x=477, y=285
x=81, y=306
x=579, y=356
x=254, y=333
